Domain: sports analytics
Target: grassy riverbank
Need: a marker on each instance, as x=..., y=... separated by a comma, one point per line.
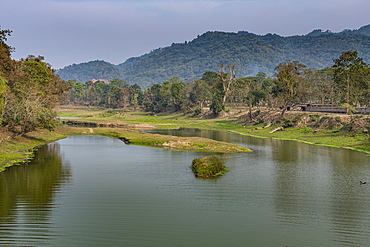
x=17, y=150
x=135, y=137
x=233, y=122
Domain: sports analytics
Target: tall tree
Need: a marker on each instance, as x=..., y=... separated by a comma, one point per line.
x=288, y=75
x=350, y=76
x=137, y=95
x=30, y=99
x=177, y=93
x=227, y=76
x=4, y=33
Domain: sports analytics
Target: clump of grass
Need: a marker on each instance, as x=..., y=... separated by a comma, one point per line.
x=305, y=129
x=208, y=167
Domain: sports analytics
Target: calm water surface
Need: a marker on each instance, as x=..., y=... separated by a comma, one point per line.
x=97, y=191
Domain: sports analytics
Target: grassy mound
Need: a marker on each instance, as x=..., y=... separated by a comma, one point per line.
x=208, y=167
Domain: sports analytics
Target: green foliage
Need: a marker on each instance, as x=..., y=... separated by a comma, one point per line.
x=216, y=107
x=315, y=117
x=111, y=94
x=2, y=97
x=197, y=111
x=208, y=167
x=304, y=130
x=289, y=74
x=169, y=96
x=177, y=93
x=352, y=77
x=26, y=114
x=286, y=122
x=4, y=37
x=110, y=113
x=256, y=96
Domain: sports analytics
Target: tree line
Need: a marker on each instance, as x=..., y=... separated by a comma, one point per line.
x=346, y=83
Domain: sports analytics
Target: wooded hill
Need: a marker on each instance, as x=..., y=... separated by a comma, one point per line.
x=250, y=53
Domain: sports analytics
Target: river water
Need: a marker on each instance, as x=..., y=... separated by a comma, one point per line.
x=97, y=191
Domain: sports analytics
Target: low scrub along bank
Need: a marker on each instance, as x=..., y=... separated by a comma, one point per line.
x=208, y=167
x=327, y=129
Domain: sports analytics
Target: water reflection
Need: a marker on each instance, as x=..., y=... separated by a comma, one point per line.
x=314, y=189
x=281, y=194
x=27, y=193
x=349, y=199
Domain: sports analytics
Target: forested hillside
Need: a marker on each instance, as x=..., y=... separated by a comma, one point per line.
x=91, y=70
x=250, y=53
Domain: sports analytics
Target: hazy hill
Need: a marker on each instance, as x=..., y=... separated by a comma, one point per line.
x=90, y=70
x=250, y=53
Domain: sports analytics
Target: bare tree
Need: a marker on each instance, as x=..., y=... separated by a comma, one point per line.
x=227, y=79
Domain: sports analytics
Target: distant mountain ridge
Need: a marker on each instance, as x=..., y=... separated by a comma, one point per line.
x=251, y=53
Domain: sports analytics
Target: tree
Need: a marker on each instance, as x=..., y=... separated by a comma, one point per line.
x=30, y=99
x=4, y=37
x=115, y=97
x=216, y=107
x=137, y=95
x=2, y=97
x=200, y=93
x=7, y=64
x=26, y=114
x=350, y=76
x=288, y=75
x=317, y=87
x=152, y=98
x=227, y=79
x=177, y=93
x=118, y=82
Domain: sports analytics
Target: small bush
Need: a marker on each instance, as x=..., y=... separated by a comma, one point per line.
x=286, y=122
x=338, y=119
x=208, y=167
x=197, y=111
x=315, y=117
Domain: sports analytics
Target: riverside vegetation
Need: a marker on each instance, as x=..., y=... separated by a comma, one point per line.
x=318, y=130
x=328, y=129
x=30, y=90
x=208, y=167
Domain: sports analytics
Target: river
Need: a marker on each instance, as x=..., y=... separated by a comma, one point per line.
x=97, y=191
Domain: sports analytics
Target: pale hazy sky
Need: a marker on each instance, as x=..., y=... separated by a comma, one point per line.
x=75, y=31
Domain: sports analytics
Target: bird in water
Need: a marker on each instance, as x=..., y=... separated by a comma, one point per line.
x=362, y=182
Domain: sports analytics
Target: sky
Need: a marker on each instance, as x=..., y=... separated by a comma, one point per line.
x=76, y=31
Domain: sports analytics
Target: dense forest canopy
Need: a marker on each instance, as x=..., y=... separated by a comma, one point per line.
x=250, y=53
